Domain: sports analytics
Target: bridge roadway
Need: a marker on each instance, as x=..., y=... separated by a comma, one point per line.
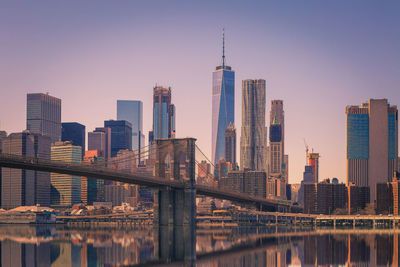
x=20, y=162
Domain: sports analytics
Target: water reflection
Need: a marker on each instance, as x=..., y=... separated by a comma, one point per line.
x=59, y=246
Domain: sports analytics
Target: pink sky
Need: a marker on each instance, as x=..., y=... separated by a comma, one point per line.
x=316, y=58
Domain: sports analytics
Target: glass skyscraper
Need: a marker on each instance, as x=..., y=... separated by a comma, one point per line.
x=163, y=114
x=43, y=115
x=121, y=135
x=372, y=143
x=132, y=111
x=74, y=132
x=223, y=107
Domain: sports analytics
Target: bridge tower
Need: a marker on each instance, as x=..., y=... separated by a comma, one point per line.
x=175, y=208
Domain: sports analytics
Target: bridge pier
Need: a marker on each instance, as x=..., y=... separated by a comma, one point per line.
x=175, y=208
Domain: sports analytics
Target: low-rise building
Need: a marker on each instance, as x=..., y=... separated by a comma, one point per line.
x=357, y=198
x=387, y=196
x=249, y=182
x=324, y=197
x=120, y=193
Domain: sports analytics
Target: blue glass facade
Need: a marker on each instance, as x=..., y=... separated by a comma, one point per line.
x=132, y=111
x=223, y=109
x=357, y=136
x=121, y=135
x=392, y=135
x=164, y=118
x=74, y=132
x=156, y=119
x=275, y=133
x=163, y=114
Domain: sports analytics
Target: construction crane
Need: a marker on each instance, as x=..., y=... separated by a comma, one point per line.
x=306, y=145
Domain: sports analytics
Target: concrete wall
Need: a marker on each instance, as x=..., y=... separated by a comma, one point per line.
x=378, y=144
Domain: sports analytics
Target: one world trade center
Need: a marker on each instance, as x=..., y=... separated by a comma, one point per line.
x=223, y=105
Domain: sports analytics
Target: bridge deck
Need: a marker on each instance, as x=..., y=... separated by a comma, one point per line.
x=98, y=172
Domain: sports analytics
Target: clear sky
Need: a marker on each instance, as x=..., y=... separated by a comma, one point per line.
x=317, y=56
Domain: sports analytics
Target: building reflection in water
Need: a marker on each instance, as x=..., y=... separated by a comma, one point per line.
x=50, y=246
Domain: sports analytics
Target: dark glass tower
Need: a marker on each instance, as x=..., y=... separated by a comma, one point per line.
x=74, y=132
x=223, y=106
x=121, y=135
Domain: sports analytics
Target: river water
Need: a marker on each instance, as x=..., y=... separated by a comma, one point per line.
x=61, y=246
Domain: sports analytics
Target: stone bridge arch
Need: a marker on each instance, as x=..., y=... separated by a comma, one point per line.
x=178, y=151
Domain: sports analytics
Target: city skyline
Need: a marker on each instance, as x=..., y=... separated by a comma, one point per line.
x=324, y=77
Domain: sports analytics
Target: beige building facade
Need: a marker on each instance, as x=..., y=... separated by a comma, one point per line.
x=252, y=140
x=372, y=143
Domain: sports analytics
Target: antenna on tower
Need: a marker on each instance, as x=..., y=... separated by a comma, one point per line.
x=223, y=47
x=306, y=145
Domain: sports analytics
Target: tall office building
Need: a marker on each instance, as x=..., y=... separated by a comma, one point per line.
x=204, y=172
x=121, y=135
x=230, y=145
x=74, y=132
x=278, y=162
x=308, y=177
x=119, y=192
x=42, y=148
x=132, y=111
x=313, y=161
x=252, y=140
x=276, y=159
x=223, y=106
x=25, y=187
x=278, y=114
x=65, y=189
x=286, y=168
x=163, y=114
x=92, y=189
x=43, y=115
x=372, y=143
x=222, y=169
x=100, y=139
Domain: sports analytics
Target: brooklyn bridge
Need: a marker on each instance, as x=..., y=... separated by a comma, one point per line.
x=173, y=181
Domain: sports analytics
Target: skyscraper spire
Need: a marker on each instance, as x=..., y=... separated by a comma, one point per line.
x=275, y=121
x=223, y=108
x=223, y=48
